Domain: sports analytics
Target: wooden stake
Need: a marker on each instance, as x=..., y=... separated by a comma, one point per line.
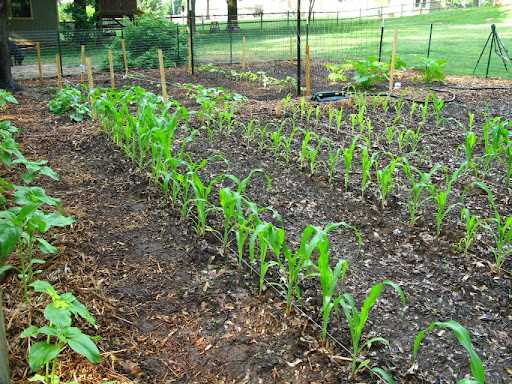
x=308, y=71
x=38, y=57
x=125, y=57
x=189, y=55
x=112, y=73
x=58, y=70
x=162, y=75
x=82, y=63
x=244, y=52
x=90, y=78
x=393, y=62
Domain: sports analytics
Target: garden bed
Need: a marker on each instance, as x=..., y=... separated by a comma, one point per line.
x=171, y=309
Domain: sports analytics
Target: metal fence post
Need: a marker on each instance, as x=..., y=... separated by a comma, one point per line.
x=177, y=44
x=337, y=17
x=430, y=40
x=261, y=21
x=191, y=41
x=231, y=46
x=298, y=50
x=380, y=43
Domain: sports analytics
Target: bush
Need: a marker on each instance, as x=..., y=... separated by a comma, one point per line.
x=366, y=73
x=433, y=70
x=143, y=38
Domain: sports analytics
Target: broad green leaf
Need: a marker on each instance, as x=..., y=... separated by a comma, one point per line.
x=9, y=236
x=41, y=353
x=30, y=332
x=83, y=345
x=45, y=247
x=57, y=315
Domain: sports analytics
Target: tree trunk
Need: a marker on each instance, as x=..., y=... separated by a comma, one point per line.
x=232, y=14
x=4, y=348
x=6, y=80
x=80, y=14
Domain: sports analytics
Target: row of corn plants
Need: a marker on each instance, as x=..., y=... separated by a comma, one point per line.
x=27, y=216
x=146, y=128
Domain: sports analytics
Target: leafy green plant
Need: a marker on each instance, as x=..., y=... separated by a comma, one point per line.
x=471, y=224
x=357, y=319
x=418, y=185
x=438, y=104
x=441, y=195
x=433, y=70
x=385, y=179
x=464, y=338
x=501, y=231
x=348, y=157
x=59, y=333
x=333, y=157
x=367, y=163
x=72, y=101
x=6, y=97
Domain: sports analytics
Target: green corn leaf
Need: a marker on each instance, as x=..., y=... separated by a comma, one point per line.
x=383, y=375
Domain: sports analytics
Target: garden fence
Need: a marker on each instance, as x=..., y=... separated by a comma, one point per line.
x=269, y=43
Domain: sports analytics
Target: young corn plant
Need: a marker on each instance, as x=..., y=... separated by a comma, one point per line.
x=357, y=319
x=441, y=196
x=464, y=338
x=348, y=157
x=438, y=104
x=367, y=163
x=501, y=227
x=425, y=110
x=508, y=154
x=288, y=141
x=329, y=279
x=339, y=120
x=267, y=236
x=420, y=181
x=471, y=224
x=333, y=157
x=386, y=179
x=470, y=143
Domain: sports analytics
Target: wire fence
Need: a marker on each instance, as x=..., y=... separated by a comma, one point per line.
x=269, y=42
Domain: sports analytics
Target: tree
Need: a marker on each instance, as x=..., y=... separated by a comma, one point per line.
x=232, y=15
x=6, y=80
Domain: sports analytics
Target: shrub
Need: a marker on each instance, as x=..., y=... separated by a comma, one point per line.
x=433, y=70
x=143, y=38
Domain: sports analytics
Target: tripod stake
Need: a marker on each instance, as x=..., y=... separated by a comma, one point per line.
x=499, y=48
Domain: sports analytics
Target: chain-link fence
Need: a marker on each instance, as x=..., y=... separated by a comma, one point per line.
x=269, y=42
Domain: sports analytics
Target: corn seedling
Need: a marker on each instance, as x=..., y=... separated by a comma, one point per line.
x=329, y=279
x=508, y=154
x=390, y=134
x=333, y=157
x=276, y=139
x=385, y=180
x=339, y=120
x=318, y=114
x=366, y=168
x=419, y=181
x=357, y=319
x=471, y=225
x=267, y=236
x=288, y=141
x=470, y=142
x=438, y=105
x=413, y=110
x=464, y=338
x=59, y=334
x=425, y=110
x=441, y=198
x=502, y=230
x=348, y=157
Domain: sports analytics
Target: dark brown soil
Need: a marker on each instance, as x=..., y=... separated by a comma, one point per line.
x=171, y=309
